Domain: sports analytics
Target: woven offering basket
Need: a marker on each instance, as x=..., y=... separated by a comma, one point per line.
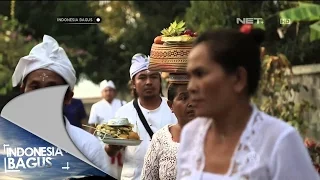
x=169, y=58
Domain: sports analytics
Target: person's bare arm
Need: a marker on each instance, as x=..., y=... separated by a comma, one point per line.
x=84, y=122
x=85, y=125
x=91, y=130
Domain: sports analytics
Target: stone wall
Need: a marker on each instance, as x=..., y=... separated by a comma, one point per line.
x=309, y=75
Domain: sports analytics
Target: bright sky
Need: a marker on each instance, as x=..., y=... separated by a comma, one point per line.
x=86, y=89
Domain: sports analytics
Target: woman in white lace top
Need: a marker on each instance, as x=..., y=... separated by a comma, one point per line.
x=233, y=139
x=160, y=160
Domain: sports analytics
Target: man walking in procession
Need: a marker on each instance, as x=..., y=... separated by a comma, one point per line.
x=148, y=112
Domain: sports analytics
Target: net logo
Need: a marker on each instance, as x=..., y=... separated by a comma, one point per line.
x=18, y=158
x=249, y=21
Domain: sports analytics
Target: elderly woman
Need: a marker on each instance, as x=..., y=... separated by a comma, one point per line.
x=160, y=160
x=232, y=139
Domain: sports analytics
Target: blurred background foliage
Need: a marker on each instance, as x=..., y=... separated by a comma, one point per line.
x=104, y=51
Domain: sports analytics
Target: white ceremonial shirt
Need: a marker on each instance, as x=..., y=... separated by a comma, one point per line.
x=269, y=149
x=102, y=111
x=157, y=119
x=89, y=146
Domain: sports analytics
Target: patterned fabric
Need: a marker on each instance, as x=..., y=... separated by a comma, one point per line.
x=161, y=159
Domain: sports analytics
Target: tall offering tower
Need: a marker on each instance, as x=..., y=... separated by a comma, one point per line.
x=170, y=50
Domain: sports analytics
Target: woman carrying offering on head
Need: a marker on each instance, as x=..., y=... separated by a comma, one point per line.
x=169, y=54
x=231, y=138
x=160, y=160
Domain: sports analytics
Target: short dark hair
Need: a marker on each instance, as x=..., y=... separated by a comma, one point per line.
x=172, y=90
x=232, y=49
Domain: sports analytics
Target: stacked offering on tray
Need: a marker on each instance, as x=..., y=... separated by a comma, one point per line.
x=116, y=129
x=170, y=50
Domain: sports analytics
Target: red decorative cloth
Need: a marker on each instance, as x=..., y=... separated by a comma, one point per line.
x=118, y=158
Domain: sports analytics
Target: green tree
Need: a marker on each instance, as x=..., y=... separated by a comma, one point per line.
x=277, y=94
x=133, y=25
x=129, y=29
x=206, y=15
x=304, y=12
x=13, y=46
x=89, y=48
x=117, y=16
x=203, y=15
x=87, y=38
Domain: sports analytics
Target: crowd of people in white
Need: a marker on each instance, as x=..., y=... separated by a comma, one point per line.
x=205, y=129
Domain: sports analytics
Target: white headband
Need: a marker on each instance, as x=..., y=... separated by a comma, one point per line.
x=139, y=62
x=106, y=84
x=46, y=55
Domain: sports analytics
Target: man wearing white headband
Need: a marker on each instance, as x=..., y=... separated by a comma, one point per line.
x=103, y=111
x=155, y=114
x=106, y=108
x=48, y=65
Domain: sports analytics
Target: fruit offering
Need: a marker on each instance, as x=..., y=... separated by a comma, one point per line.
x=170, y=50
x=176, y=33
